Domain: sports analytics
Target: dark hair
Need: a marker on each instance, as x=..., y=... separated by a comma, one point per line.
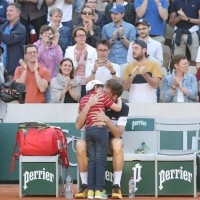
x=177, y=58
x=28, y=46
x=87, y=7
x=87, y=1
x=80, y=28
x=16, y=5
x=103, y=42
x=45, y=28
x=115, y=86
x=73, y=70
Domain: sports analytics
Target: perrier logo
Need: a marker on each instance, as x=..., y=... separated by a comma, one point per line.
x=37, y=175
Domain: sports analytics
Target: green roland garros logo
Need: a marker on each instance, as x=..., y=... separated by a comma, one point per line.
x=140, y=124
x=174, y=174
x=30, y=176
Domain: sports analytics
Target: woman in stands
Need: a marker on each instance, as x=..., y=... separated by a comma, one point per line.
x=65, y=88
x=64, y=32
x=129, y=15
x=180, y=86
x=81, y=54
x=93, y=32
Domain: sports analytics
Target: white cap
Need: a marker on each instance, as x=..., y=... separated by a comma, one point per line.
x=90, y=85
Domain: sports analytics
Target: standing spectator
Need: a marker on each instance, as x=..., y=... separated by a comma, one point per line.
x=50, y=53
x=3, y=8
x=142, y=77
x=179, y=86
x=65, y=88
x=33, y=75
x=65, y=39
x=12, y=36
x=66, y=8
x=129, y=13
x=81, y=54
x=99, y=17
x=102, y=69
x=77, y=5
x=34, y=14
x=119, y=34
x=93, y=31
x=154, y=48
x=185, y=18
x=155, y=11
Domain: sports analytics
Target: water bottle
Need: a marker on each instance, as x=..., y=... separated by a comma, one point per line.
x=69, y=187
x=131, y=187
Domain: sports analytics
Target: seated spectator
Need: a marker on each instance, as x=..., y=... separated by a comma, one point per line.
x=198, y=71
x=179, y=86
x=66, y=9
x=65, y=39
x=50, y=53
x=65, y=88
x=81, y=54
x=93, y=32
x=129, y=13
x=102, y=69
x=33, y=75
x=99, y=17
x=33, y=13
x=198, y=59
x=77, y=5
x=3, y=8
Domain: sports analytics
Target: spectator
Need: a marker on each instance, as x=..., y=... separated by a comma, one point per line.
x=155, y=11
x=99, y=17
x=198, y=71
x=65, y=88
x=65, y=39
x=81, y=54
x=185, y=18
x=34, y=14
x=119, y=34
x=141, y=77
x=50, y=53
x=198, y=59
x=3, y=8
x=97, y=140
x=12, y=36
x=179, y=86
x=66, y=8
x=129, y=11
x=154, y=48
x=116, y=122
x=93, y=32
x=4, y=78
x=102, y=69
x=33, y=75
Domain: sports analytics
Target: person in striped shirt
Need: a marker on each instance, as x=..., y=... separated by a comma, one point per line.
x=97, y=139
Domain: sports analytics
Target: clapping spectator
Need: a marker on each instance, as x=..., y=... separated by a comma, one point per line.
x=93, y=32
x=82, y=55
x=64, y=32
x=65, y=88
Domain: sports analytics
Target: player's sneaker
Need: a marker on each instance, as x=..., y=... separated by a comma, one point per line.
x=100, y=194
x=82, y=194
x=116, y=192
x=90, y=194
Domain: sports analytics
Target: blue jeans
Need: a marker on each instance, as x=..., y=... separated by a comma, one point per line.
x=83, y=90
x=97, y=139
x=77, y=5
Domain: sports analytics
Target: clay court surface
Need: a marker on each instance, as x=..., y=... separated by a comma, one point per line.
x=11, y=192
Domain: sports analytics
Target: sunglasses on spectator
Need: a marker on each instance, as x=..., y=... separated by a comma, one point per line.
x=86, y=13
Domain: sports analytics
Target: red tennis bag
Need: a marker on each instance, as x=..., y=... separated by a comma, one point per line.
x=37, y=139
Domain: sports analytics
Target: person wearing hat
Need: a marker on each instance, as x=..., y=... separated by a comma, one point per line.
x=141, y=77
x=97, y=139
x=156, y=12
x=154, y=48
x=119, y=34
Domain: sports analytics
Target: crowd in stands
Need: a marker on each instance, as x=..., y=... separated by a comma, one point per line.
x=124, y=42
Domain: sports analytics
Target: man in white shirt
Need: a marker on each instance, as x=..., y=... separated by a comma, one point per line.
x=154, y=48
x=102, y=69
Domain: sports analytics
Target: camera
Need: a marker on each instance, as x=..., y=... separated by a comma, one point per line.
x=50, y=37
x=102, y=62
x=13, y=91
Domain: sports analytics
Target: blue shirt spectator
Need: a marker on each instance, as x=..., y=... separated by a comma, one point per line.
x=3, y=8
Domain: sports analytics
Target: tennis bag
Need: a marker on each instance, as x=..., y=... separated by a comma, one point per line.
x=39, y=139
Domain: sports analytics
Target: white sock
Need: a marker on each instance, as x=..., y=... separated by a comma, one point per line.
x=117, y=177
x=84, y=177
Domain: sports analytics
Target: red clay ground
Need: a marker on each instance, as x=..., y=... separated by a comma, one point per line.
x=11, y=192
